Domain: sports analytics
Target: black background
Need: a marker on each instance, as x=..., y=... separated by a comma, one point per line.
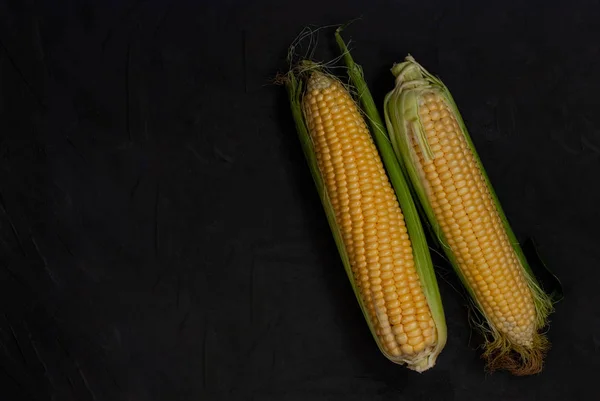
x=160, y=236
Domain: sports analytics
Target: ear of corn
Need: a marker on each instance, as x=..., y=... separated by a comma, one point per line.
x=423, y=262
x=436, y=151
x=375, y=239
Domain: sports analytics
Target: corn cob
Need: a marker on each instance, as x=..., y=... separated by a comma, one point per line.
x=430, y=137
x=388, y=265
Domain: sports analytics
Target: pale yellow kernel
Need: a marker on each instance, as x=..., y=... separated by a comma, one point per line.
x=398, y=330
x=395, y=351
x=429, y=97
x=423, y=317
x=435, y=115
x=415, y=340
x=386, y=274
x=428, y=332
x=411, y=326
x=407, y=349
x=374, y=272
x=421, y=304
x=390, y=296
x=395, y=319
x=413, y=333
x=387, y=282
x=401, y=336
x=409, y=311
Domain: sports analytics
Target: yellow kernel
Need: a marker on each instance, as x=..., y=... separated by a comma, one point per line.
x=409, y=327
x=415, y=340
x=406, y=349
x=402, y=338
x=419, y=347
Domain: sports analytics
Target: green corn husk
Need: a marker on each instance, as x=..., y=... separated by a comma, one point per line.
x=402, y=121
x=294, y=82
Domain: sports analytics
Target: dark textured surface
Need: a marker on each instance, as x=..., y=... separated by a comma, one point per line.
x=160, y=238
